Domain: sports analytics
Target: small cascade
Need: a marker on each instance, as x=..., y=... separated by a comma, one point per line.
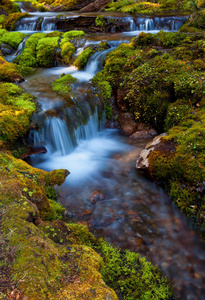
x=95, y=63
x=119, y=24
x=27, y=24
x=26, y=7
x=48, y=24
x=149, y=25
x=56, y=136
x=21, y=46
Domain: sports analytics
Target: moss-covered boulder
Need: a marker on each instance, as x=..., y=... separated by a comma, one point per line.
x=83, y=57
x=9, y=72
x=12, y=19
x=11, y=38
x=63, y=85
x=40, y=51
x=46, y=51
x=16, y=109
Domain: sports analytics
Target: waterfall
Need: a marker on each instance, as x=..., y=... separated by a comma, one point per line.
x=124, y=23
x=149, y=24
x=48, y=24
x=55, y=134
x=27, y=24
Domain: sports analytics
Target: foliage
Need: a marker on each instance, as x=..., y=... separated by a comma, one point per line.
x=63, y=84
x=46, y=50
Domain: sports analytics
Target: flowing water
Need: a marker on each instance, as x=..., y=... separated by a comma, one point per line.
x=104, y=189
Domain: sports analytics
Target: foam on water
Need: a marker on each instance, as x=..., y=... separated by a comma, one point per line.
x=88, y=159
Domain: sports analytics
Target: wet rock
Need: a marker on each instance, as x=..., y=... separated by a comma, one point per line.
x=98, y=5
x=86, y=212
x=96, y=196
x=143, y=134
x=142, y=162
x=127, y=124
x=33, y=151
x=6, y=49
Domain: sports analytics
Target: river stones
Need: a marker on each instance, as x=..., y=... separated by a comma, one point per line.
x=96, y=196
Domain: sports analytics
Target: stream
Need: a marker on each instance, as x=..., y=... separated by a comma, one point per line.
x=104, y=190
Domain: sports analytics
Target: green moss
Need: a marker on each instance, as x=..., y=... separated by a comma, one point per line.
x=71, y=35
x=16, y=109
x=8, y=6
x=9, y=72
x=82, y=59
x=63, y=84
x=100, y=21
x=11, y=38
x=67, y=51
x=12, y=19
x=46, y=50
x=131, y=275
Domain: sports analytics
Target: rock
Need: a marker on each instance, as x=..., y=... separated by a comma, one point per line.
x=6, y=49
x=143, y=134
x=96, y=196
x=86, y=212
x=142, y=162
x=34, y=150
x=98, y=5
x=127, y=124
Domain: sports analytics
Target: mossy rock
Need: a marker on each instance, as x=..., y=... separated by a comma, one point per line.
x=63, y=85
x=83, y=58
x=9, y=72
x=46, y=51
x=67, y=51
x=11, y=38
x=12, y=19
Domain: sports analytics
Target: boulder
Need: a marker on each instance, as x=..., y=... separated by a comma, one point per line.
x=143, y=134
x=127, y=124
x=143, y=162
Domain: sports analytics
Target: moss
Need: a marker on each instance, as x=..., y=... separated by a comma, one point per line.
x=16, y=108
x=63, y=84
x=83, y=57
x=8, y=6
x=11, y=38
x=131, y=275
x=9, y=72
x=12, y=19
x=150, y=7
x=71, y=36
x=182, y=170
x=46, y=50
x=67, y=51
x=100, y=21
